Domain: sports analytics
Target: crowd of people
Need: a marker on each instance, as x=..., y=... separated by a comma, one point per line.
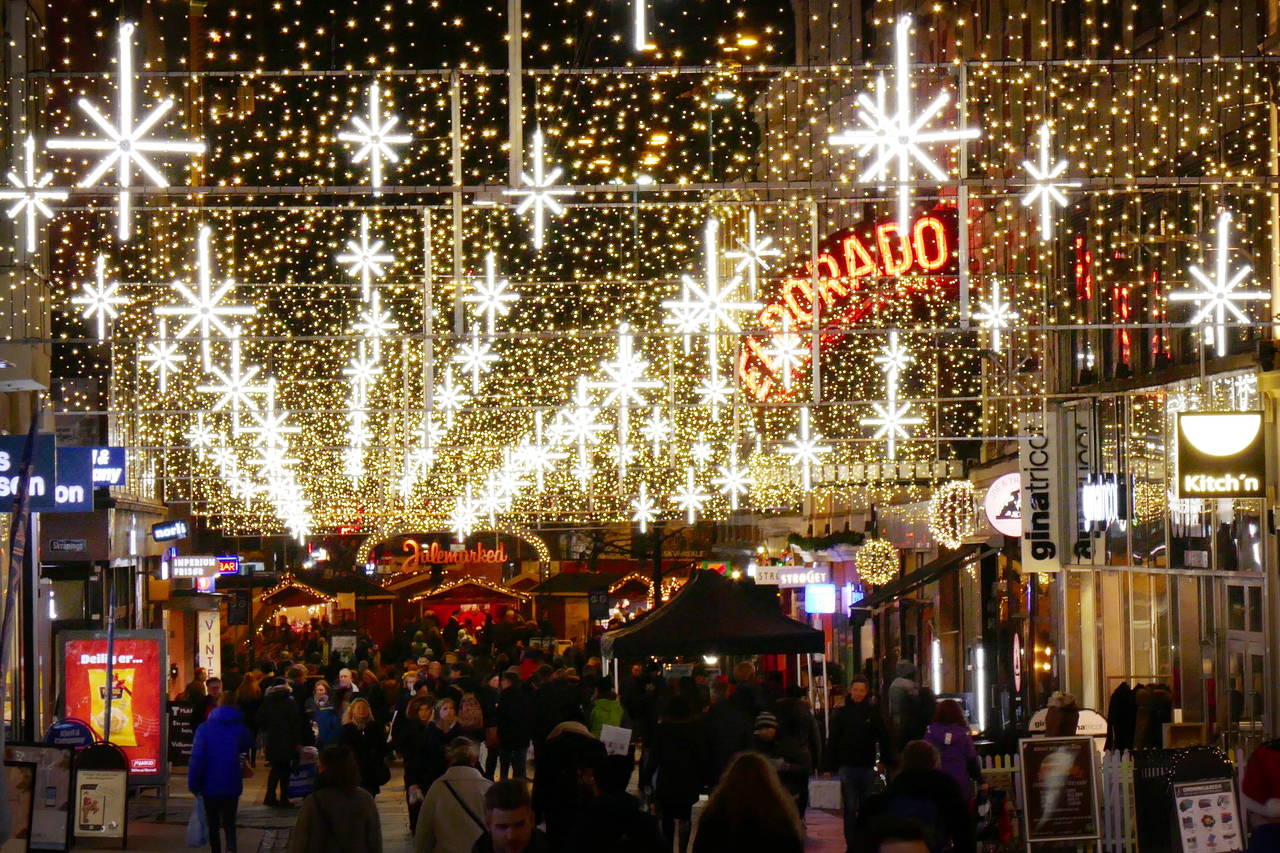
x=463, y=715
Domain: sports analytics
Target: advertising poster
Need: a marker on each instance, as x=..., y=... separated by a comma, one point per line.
x=51, y=801
x=101, y=798
x=20, y=784
x=1059, y=786
x=182, y=732
x=137, y=694
x=1207, y=817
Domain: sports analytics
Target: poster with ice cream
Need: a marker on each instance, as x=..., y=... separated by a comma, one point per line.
x=1060, y=788
x=136, y=690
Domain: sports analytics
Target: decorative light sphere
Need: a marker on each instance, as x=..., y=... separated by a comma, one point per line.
x=877, y=562
x=951, y=513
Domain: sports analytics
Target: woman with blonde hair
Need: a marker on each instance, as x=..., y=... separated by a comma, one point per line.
x=367, y=740
x=749, y=810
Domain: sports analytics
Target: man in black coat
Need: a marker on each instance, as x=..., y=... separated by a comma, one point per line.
x=514, y=726
x=612, y=818
x=857, y=731
x=280, y=724
x=564, y=761
x=728, y=729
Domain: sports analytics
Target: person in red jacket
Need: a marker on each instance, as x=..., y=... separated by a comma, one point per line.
x=1261, y=791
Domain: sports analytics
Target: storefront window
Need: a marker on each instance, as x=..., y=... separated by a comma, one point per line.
x=1235, y=608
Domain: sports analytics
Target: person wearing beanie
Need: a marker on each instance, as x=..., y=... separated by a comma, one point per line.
x=783, y=754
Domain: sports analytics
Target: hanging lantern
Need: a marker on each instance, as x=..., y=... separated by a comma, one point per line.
x=877, y=562
x=951, y=513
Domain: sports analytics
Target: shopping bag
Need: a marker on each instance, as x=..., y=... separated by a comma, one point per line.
x=197, y=829
x=824, y=794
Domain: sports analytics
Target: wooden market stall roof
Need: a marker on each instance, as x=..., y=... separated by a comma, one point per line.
x=468, y=588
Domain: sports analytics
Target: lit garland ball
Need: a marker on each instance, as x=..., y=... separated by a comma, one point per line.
x=951, y=513
x=877, y=562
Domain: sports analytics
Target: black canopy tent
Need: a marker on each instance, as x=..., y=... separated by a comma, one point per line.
x=714, y=615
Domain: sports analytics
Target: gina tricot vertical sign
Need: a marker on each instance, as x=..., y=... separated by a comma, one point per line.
x=1040, y=465
x=1221, y=455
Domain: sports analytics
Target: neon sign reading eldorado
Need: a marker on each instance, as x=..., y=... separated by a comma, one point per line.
x=848, y=262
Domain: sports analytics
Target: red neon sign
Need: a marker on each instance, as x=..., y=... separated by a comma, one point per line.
x=848, y=262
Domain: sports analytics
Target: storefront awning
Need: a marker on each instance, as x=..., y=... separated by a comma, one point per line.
x=928, y=573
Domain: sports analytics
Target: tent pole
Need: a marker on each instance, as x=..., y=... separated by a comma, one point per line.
x=808, y=675
x=826, y=698
x=617, y=683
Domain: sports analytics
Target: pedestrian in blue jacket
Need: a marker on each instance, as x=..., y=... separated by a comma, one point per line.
x=214, y=772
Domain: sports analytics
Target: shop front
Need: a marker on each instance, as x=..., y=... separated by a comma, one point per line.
x=476, y=601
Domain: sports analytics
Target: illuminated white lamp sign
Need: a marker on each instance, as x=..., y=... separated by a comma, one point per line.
x=1221, y=455
x=1003, y=504
x=1102, y=500
x=168, y=531
x=193, y=567
x=792, y=577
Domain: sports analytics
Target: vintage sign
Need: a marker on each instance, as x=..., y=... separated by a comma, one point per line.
x=1003, y=504
x=848, y=264
x=1221, y=455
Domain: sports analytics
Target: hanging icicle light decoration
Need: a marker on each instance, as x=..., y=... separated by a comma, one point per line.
x=951, y=513
x=877, y=562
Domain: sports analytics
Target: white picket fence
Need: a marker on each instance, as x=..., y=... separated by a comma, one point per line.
x=1119, y=815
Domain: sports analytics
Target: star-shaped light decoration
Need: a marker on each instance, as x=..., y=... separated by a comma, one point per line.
x=995, y=315
x=1047, y=191
x=541, y=193
x=733, y=480
x=234, y=389
x=643, y=510
x=1219, y=294
x=657, y=429
x=691, y=500
x=200, y=435
x=578, y=424
x=701, y=451
x=490, y=502
x=163, y=358
x=375, y=323
x=124, y=144
x=204, y=308
x=806, y=450
x=375, y=137
x=754, y=254
x=363, y=371
x=714, y=391
x=540, y=455
x=491, y=297
x=101, y=298
x=900, y=136
x=271, y=423
x=715, y=303
x=449, y=398
x=684, y=315
x=623, y=387
x=465, y=515
x=892, y=419
x=365, y=259
x=475, y=358
x=786, y=352
x=30, y=193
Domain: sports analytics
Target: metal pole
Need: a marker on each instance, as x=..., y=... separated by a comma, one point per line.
x=826, y=699
x=111, y=651
x=455, y=133
x=515, y=90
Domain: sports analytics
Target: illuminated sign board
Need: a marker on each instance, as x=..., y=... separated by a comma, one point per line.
x=791, y=577
x=820, y=598
x=136, y=722
x=1003, y=504
x=194, y=567
x=168, y=531
x=1221, y=455
x=849, y=264
x=108, y=466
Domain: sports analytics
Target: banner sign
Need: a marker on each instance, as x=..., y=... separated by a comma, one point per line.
x=182, y=732
x=170, y=531
x=209, y=641
x=1059, y=787
x=194, y=566
x=1040, y=467
x=1221, y=455
x=792, y=577
x=108, y=466
x=43, y=471
x=137, y=694
x=74, y=490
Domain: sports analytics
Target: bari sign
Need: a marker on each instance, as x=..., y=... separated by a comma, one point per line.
x=840, y=291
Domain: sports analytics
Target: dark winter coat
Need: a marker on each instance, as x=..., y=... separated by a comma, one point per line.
x=428, y=762
x=512, y=719
x=557, y=788
x=857, y=728
x=214, y=770
x=932, y=798
x=678, y=762
x=616, y=822
x=370, y=748
x=280, y=724
x=332, y=819
x=728, y=731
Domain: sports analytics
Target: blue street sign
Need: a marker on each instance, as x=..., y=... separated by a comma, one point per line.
x=43, y=471
x=108, y=466
x=74, y=492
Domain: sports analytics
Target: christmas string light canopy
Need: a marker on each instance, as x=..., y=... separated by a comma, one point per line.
x=124, y=144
